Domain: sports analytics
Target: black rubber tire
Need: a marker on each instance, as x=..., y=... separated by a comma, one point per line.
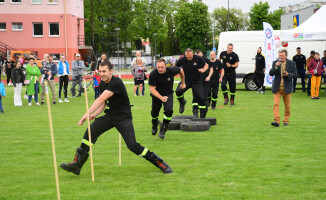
x=212, y=120
x=175, y=123
x=195, y=126
x=183, y=117
x=250, y=84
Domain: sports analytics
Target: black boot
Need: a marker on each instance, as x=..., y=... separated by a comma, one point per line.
x=208, y=102
x=203, y=112
x=226, y=98
x=158, y=162
x=195, y=111
x=76, y=165
x=213, y=105
x=232, y=99
x=155, y=123
x=163, y=129
x=182, y=102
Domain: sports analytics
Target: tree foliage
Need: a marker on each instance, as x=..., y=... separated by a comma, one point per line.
x=238, y=21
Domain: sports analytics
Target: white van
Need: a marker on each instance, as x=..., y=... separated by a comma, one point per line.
x=245, y=44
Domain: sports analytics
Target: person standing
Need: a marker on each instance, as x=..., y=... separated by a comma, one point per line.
x=316, y=69
x=97, y=80
x=230, y=62
x=2, y=94
x=63, y=73
x=138, y=71
x=8, y=66
x=284, y=71
x=103, y=58
x=192, y=66
x=17, y=78
x=259, y=74
x=118, y=115
x=215, y=78
x=144, y=61
x=312, y=55
x=49, y=69
x=300, y=62
x=32, y=75
x=161, y=82
x=77, y=75
x=324, y=62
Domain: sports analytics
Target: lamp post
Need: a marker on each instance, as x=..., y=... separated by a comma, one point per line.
x=118, y=29
x=155, y=34
x=228, y=14
x=214, y=49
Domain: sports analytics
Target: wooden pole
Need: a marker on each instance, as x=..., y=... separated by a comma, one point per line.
x=89, y=131
x=52, y=139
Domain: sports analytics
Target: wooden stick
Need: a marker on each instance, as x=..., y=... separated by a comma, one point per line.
x=119, y=149
x=52, y=139
x=89, y=130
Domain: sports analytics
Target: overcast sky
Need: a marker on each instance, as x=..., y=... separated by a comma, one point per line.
x=245, y=5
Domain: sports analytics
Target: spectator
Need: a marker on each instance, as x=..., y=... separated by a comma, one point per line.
x=77, y=75
x=300, y=62
x=17, y=78
x=284, y=71
x=97, y=80
x=2, y=94
x=63, y=73
x=259, y=74
x=49, y=70
x=316, y=69
x=32, y=82
x=312, y=54
x=133, y=62
x=324, y=62
x=103, y=58
x=138, y=71
x=8, y=66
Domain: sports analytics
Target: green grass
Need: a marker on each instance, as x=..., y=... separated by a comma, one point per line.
x=243, y=157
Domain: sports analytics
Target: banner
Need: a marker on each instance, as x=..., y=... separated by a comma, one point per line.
x=269, y=48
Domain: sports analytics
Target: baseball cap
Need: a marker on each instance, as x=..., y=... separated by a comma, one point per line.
x=77, y=55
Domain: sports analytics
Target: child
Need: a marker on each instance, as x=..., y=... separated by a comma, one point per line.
x=97, y=80
x=2, y=94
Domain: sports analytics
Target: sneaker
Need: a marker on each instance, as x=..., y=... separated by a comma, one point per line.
x=66, y=100
x=275, y=124
x=317, y=98
x=262, y=92
x=42, y=103
x=285, y=124
x=258, y=91
x=37, y=103
x=313, y=98
x=60, y=101
x=54, y=102
x=30, y=104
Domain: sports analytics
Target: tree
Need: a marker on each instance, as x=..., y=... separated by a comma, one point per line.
x=259, y=13
x=192, y=25
x=237, y=20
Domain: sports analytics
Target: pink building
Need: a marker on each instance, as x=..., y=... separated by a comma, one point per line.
x=44, y=26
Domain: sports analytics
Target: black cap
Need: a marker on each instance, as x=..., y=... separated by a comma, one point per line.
x=298, y=47
x=312, y=52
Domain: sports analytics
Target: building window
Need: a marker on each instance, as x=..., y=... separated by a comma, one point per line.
x=36, y=1
x=38, y=29
x=16, y=1
x=52, y=1
x=56, y=56
x=3, y=26
x=17, y=26
x=54, y=29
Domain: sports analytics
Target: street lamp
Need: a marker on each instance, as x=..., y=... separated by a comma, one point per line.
x=118, y=29
x=228, y=13
x=155, y=34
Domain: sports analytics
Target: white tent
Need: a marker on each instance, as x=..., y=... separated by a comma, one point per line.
x=313, y=29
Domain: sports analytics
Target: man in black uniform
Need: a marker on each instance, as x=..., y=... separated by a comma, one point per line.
x=192, y=66
x=230, y=62
x=114, y=95
x=217, y=67
x=161, y=82
x=259, y=74
x=300, y=61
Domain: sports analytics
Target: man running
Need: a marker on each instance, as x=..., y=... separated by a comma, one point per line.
x=215, y=78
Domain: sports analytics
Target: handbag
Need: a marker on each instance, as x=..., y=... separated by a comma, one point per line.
x=315, y=71
x=27, y=82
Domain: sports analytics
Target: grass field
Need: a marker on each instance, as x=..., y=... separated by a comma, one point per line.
x=243, y=157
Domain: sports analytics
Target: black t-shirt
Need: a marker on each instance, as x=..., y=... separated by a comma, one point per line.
x=300, y=61
x=217, y=66
x=231, y=58
x=324, y=60
x=118, y=103
x=260, y=63
x=163, y=82
x=11, y=63
x=206, y=73
x=190, y=68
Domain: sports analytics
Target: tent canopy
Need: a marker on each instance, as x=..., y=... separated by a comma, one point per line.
x=312, y=29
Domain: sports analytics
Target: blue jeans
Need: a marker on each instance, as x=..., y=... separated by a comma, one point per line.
x=1, y=108
x=97, y=92
x=35, y=95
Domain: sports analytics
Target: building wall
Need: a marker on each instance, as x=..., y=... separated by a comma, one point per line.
x=304, y=14
x=44, y=13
